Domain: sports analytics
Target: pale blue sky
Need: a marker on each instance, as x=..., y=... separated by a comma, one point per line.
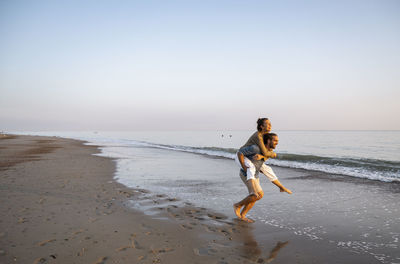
x=154, y=65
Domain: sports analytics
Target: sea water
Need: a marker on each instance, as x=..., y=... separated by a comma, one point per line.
x=373, y=155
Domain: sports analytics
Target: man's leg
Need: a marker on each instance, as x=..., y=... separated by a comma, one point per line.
x=250, y=205
x=245, y=210
x=255, y=193
x=251, y=198
x=247, y=203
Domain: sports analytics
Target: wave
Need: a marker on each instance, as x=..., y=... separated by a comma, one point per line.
x=387, y=171
x=382, y=170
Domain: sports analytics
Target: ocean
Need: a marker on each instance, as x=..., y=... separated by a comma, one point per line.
x=346, y=184
x=373, y=155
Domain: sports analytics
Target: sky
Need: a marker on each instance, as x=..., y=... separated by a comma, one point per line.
x=199, y=65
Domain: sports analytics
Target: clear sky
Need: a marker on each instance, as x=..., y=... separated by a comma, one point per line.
x=212, y=65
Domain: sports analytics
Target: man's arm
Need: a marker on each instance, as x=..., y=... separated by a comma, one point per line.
x=269, y=173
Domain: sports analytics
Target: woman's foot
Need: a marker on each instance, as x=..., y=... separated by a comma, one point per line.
x=285, y=190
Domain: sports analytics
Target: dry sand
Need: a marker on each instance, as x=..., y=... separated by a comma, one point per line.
x=60, y=204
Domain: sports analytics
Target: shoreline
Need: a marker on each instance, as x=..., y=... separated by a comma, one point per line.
x=61, y=204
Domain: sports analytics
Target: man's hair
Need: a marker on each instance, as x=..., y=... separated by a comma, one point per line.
x=260, y=122
x=268, y=136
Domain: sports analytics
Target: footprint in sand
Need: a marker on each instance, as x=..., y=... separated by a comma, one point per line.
x=24, y=209
x=126, y=194
x=22, y=220
x=186, y=227
x=107, y=212
x=135, y=244
x=225, y=232
x=101, y=260
x=204, y=251
x=210, y=229
x=92, y=220
x=145, y=226
x=163, y=250
x=217, y=216
x=123, y=248
x=78, y=232
x=81, y=253
x=39, y=260
x=174, y=215
x=43, y=243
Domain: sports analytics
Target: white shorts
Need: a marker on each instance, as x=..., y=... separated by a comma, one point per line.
x=251, y=169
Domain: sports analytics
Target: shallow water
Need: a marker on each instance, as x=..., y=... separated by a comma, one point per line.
x=354, y=214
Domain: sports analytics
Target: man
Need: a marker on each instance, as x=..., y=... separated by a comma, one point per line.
x=253, y=153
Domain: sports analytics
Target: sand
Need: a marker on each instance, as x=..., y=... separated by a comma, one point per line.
x=60, y=204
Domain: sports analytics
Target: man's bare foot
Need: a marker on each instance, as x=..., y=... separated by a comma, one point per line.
x=248, y=220
x=236, y=208
x=285, y=190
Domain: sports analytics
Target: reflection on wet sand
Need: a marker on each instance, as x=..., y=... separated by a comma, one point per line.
x=275, y=250
x=252, y=251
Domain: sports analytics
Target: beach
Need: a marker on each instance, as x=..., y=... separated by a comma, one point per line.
x=62, y=204
x=59, y=204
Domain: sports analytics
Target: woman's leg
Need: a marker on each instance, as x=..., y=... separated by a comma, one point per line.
x=251, y=169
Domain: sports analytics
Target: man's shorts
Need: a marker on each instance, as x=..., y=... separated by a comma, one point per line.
x=253, y=185
x=251, y=169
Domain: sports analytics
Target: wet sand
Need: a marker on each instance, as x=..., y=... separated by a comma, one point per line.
x=60, y=204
